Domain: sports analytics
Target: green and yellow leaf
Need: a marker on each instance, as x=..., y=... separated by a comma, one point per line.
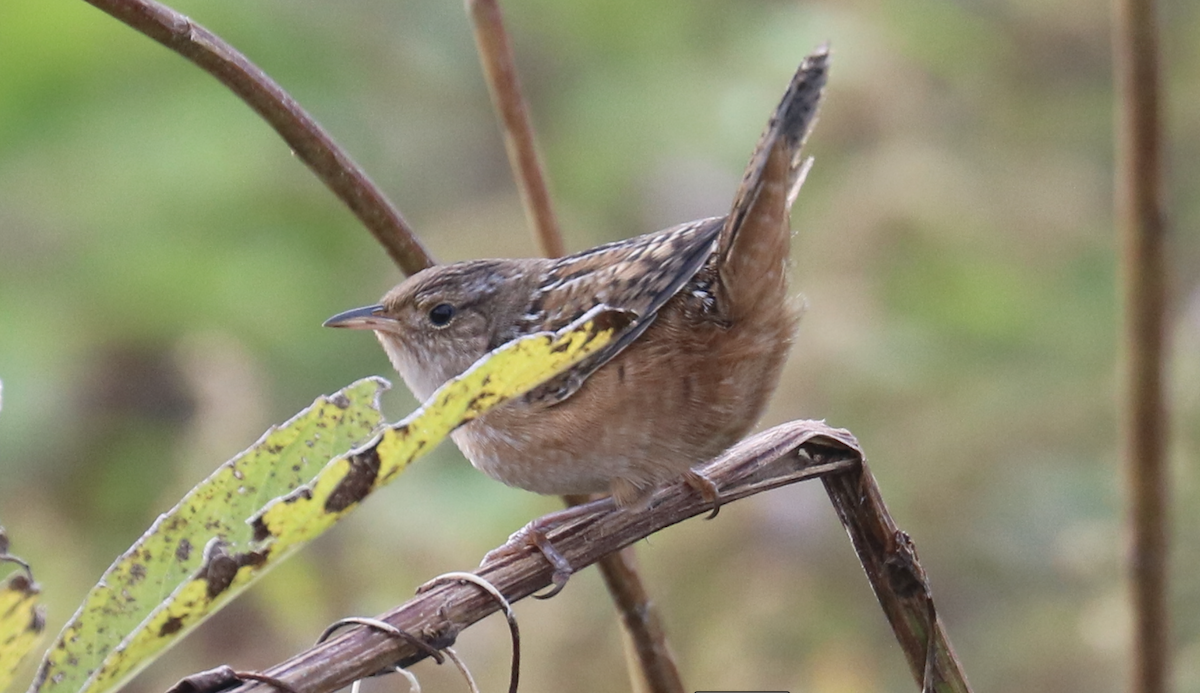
x=212, y=514
x=21, y=623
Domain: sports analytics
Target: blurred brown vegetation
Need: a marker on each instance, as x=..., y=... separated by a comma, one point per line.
x=165, y=266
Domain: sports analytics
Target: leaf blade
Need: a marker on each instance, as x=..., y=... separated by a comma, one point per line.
x=21, y=624
x=172, y=549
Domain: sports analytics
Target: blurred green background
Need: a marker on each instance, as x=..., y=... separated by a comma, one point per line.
x=165, y=265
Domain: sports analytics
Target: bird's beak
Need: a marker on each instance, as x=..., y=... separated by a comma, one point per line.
x=365, y=318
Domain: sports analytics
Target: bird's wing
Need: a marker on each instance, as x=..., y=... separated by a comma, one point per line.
x=636, y=276
x=640, y=275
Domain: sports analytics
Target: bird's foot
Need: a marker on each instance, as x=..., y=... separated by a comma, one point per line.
x=533, y=535
x=706, y=488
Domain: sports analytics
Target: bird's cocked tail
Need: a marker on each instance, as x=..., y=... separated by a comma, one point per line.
x=752, y=248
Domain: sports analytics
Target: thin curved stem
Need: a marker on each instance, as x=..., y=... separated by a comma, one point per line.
x=302, y=133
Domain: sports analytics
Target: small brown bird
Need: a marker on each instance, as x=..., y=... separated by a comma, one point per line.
x=688, y=377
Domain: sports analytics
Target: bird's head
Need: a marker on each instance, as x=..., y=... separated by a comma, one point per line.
x=438, y=322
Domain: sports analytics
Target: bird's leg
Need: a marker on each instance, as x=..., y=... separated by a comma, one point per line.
x=706, y=488
x=629, y=495
x=534, y=535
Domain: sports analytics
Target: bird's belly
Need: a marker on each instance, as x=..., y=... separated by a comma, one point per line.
x=587, y=457
x=526, y=462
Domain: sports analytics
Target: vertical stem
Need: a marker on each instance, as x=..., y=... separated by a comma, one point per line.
x=645, y=636
x=1142, y=229
x=501, y=72
x=651, y=664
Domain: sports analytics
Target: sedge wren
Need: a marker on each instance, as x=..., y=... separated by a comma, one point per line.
x=690, y=375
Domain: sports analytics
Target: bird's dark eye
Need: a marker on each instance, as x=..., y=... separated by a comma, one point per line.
x=441, y=314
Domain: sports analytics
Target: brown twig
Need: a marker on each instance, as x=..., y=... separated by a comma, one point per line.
x=501, y=72
x=652, y=667
x=306, y=138
x=765, y=461
x=6, y=557
x=651, y=663
x=1142, y=229
x=642, y=624
x=890, y=561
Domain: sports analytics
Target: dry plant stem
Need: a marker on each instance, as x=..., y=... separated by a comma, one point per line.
x=306, y=138
x=1142, y=229
x=654, y=668
x=645, y=635
x=890, y=562
x=501, y=72
x=762, y=462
